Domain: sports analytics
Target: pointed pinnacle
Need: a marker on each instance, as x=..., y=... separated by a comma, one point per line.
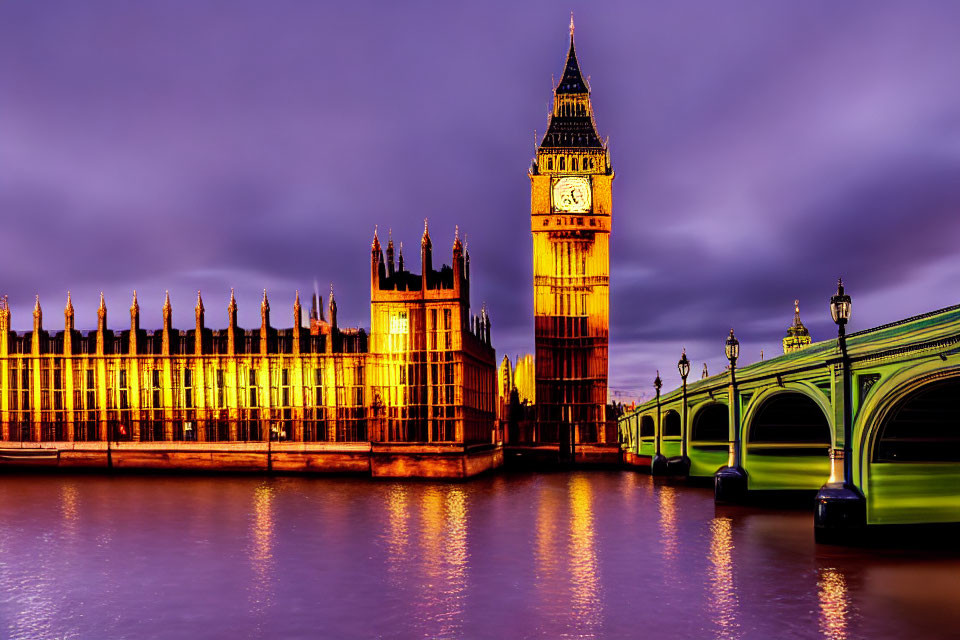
x=199, y=301
x=166, y=300
x=571, y=25
x=296, y=298
x=69, y=306
x=36, y=305
x=103, y=305
x=265, y=304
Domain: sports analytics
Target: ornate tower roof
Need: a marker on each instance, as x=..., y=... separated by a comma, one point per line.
x=571, y=122
x=797, y=328
x=572, y=80
x=798, y=337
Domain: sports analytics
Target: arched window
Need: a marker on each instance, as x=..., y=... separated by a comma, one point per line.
x=647, y=427
x=563, y=164
x=923, y=427
x=790, y=417
x=671, y=424
x=549, y=164
x=712, y=424
x=573, y=164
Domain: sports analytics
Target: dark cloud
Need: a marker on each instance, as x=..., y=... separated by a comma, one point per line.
x=760, y=151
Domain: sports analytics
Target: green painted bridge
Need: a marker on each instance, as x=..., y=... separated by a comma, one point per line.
x=778, y=425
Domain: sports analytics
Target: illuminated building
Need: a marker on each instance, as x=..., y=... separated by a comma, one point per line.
x=425, y=375
x=432, y=367
x=571, y=207
x=798, y=337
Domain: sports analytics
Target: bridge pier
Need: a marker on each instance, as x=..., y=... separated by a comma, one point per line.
x=841, y=513
x=730, y=485
x=659, y=465
x=678, y=466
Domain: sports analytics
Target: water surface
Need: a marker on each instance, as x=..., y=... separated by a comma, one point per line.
x=563, y=555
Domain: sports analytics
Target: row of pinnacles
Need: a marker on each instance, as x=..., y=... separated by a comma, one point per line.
x=391, y=281
x=322, y=335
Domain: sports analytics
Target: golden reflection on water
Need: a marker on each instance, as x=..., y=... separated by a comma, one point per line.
x=261, y=550
x=545, y=555
x=584, y=579
x=398, y=532
x=834, y=604
x=69, y=511
x=669, y=538
x=723, y=593
x=446, y=558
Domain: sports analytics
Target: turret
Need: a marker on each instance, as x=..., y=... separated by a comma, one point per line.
x=37, y=327
x=68, y=326
x=134, y=324
x=332, y=310
x=232, y=324
x=4, y=326
x=101, y=324
x=378, y=271
x=458, y=265
x=199, y=328
x=264, y=323
x=400, y=258
x=297, y=322
x=426, y=255
x=167, y=325
x=390, y=268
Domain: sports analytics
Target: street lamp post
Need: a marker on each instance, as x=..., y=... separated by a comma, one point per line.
x=841, y=507
x=658, y=466
x=730, y=482
x=682, y=468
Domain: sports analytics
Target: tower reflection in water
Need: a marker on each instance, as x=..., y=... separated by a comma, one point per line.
x=586, y=598
x=834, y=604
x=723, y=592
x=446, y=560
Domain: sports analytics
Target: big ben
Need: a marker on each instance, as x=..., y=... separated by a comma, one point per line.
x=571, y=207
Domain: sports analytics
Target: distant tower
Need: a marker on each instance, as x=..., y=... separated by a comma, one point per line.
x=570, y=206
x=797, y=337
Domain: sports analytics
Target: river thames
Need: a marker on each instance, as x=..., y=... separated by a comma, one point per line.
x=561, y=555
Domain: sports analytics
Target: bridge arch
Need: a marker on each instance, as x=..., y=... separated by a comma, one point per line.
x=907, y=445
x=787, y=434
x=648, y=433
x=708, y=438
x=671, y=423
x=671, y=431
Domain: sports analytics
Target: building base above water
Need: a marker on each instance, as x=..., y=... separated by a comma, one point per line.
x=409, y=460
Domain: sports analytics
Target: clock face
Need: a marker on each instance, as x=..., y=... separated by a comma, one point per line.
x=571, y=194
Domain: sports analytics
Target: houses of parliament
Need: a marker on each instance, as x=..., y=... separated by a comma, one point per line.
x=416, y=396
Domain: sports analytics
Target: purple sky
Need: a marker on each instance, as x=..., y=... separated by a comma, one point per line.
x=761, y=149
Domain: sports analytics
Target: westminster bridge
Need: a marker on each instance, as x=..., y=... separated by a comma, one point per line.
x=870, y=420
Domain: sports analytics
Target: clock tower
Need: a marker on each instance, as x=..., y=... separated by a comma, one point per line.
x=570, y=207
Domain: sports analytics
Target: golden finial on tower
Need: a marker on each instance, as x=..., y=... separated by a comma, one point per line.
x=571, y=25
